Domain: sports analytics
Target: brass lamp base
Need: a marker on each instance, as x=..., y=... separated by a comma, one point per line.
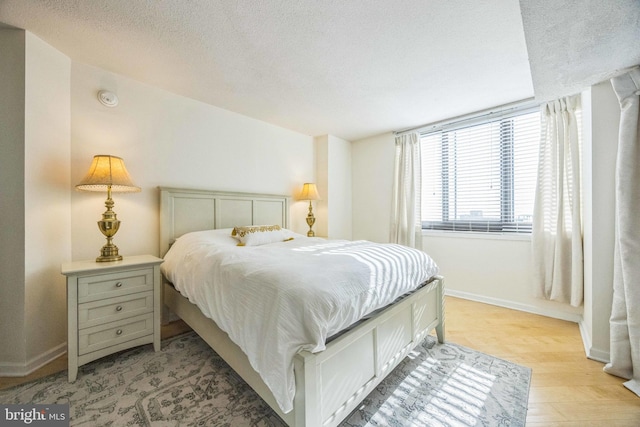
x=109, y=227
x=109, y=253
x=310, y=221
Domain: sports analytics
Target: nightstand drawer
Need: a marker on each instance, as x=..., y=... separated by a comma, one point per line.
x=100, y=286
x=103, y=336
x=112, y=309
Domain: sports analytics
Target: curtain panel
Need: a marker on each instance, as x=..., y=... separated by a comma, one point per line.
x=556, y=234
x=625, y=310
x=406, y=225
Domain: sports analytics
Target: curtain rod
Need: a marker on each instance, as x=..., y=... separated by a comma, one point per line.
x=525, y=103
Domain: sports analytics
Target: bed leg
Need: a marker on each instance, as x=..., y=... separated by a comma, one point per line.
x=440, y=327
x=440, y=333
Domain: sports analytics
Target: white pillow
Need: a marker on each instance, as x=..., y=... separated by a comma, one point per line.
x=221, y=236
x=254, y=235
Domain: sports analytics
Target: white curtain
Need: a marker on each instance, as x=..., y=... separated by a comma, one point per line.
x=625, y=311
x=557, y=225
x=406, y=228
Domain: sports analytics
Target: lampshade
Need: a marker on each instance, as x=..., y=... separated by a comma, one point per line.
x=309, y=192
x=107, y=171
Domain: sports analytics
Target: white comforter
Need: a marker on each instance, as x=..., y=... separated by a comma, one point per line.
x=277, y=299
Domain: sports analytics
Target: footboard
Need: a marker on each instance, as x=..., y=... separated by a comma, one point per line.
x=332, y=383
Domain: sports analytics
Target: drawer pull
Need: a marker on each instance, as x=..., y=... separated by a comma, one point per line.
x=119, y=332
x=118, y=284
x=119, y=308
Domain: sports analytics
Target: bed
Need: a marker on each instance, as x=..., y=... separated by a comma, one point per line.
x=329, y=384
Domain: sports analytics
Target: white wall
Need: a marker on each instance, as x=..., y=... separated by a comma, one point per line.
x=170, y=140
x=36, y=237
x=601, y=117
x=372, y=175
x=12, y=83
x=321, y=207
x=333, y=179
x=491, y=269
x=47, y=209
x=496, y=270
x=340, y=184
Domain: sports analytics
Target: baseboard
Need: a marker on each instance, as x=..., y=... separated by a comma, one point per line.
x=592, y=353
x=556, y=314
x=22, y=370
x=599, y=355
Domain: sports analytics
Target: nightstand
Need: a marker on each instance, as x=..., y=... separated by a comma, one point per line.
x=111, y=306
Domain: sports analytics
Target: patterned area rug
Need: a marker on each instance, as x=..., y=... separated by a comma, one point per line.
x=187, y=384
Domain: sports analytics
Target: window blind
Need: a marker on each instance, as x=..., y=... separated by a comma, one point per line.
x=480, y=174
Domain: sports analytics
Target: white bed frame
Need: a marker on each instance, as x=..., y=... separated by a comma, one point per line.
x=329, y=384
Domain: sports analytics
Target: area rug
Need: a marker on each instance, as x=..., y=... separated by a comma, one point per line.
x=188, y=384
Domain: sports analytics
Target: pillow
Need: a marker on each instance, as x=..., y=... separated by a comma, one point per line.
x=254, y=235
x=220, y=236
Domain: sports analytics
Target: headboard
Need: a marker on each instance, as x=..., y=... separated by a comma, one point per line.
x=185, y=210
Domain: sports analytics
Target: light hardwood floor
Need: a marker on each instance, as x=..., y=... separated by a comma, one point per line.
x=567, y=389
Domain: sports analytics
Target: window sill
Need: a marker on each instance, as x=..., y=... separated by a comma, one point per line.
x=471, y=235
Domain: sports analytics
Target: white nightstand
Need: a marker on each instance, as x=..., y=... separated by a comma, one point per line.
x=111, y=306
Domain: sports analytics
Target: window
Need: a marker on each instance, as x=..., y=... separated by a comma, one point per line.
x=480, y=174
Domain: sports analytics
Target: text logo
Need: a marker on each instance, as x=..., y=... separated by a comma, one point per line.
x=34, y=415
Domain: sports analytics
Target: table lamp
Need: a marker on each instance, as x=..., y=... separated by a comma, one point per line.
x=107, y=173
x=310, y=193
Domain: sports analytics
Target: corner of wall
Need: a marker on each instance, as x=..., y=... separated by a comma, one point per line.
x=47, y=147
x=592, y=353
x=586, y=325
x=372, y=163
x=601, y=117
x=12, y=173
x=333, y=178
x=340, y=187
x=322, y=182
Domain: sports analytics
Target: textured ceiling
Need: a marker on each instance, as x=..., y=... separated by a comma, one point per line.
x=348, y=68
x=575, y=44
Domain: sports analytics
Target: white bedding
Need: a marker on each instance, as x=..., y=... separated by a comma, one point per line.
x=277, y=299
